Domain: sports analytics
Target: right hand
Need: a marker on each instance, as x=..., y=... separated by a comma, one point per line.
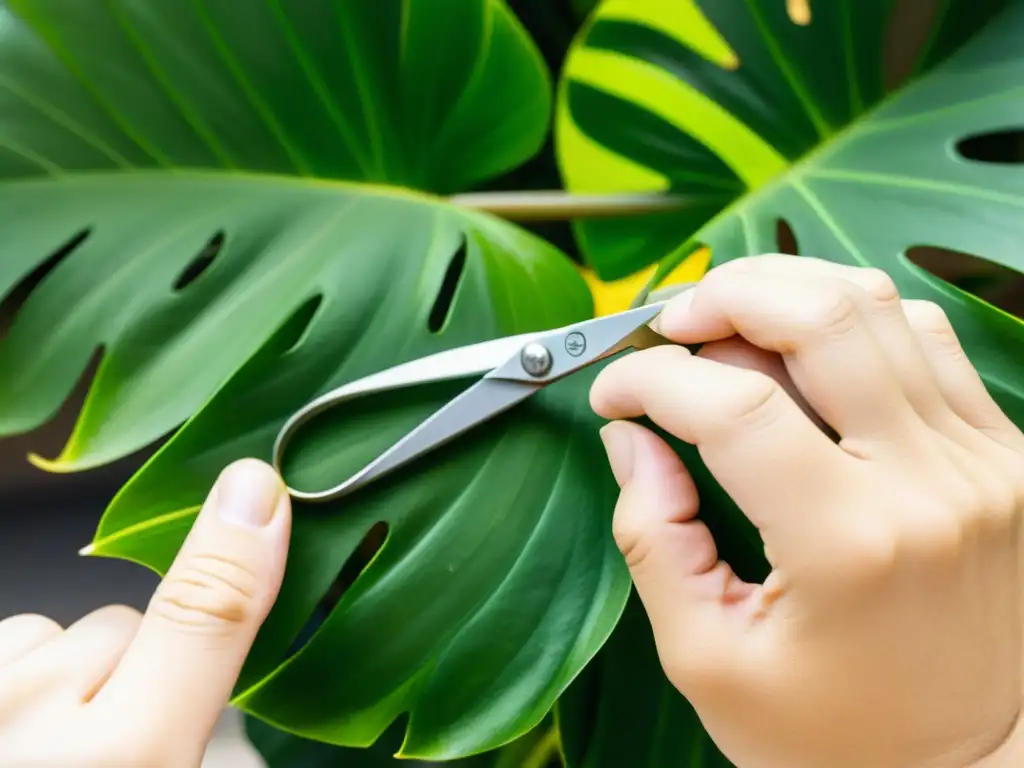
x=888, y=634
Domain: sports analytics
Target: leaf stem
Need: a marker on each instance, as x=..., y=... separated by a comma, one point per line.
x=543, y=751
x=558, y=206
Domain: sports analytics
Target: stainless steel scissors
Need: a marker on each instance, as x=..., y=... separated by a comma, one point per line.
x=513, y=369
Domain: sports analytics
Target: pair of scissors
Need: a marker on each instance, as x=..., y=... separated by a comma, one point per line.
x=513, y=369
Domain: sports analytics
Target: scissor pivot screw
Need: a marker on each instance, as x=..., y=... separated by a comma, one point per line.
x=536, y=359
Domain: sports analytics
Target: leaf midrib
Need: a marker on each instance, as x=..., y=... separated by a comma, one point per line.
x=229, y=176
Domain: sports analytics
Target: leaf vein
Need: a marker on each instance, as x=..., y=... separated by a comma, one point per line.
x=164, y=84
x=830, y=223
x=264, y=113
x=910, y=182
x=50, y=41
x=319, y=85
x=65, y=121
x=788, y=71
x=359, y=77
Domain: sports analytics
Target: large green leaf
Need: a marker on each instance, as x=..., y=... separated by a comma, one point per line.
x=189, y=155
x=757, y=119
x=279, y=749
x=754, y=119
x=498, y=580
x=271, y=99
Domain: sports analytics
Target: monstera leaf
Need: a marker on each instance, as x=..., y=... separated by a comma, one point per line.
x=764, y=124
x=219, y=197
x=136, y=131
x=756, y=120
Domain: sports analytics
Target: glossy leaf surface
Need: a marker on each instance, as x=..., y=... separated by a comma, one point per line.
x=182, y=160
x=498, y=579
x=623, y=710
x=758, y=119
x=411, y=94
x=284, y=750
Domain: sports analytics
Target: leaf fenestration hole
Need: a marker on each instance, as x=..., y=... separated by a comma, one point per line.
x=449, y=286
x=799, y=12
x=910, y=24
x=201, y=262
x=998, y=285
x=372, y=543
x=297, y=327
x=785, y=238
x=19, y=294
x=999, y=147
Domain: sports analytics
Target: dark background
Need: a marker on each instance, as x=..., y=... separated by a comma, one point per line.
x=45, y=519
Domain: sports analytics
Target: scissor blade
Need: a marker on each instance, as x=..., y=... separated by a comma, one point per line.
x=577, y=346
x=484, y=400
x=460, y=362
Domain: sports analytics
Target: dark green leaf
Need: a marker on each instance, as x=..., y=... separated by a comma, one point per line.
x=758, y=120
x=280, y=749
x=498, y=580
x=269, y=100
x=182, y=160
x=802, y=123
x=623, y=710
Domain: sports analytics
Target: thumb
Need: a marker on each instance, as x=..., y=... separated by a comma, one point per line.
x=671, y=555
x=180, y=670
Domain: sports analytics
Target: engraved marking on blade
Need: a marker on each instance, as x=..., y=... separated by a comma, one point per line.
x=575, y=343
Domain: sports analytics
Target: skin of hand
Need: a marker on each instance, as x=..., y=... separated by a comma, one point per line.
x=120, y=690
x=887, y=487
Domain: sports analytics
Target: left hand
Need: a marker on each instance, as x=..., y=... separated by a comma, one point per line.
x=119, y=689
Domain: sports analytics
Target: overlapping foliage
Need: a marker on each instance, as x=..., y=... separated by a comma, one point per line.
x=241, y=205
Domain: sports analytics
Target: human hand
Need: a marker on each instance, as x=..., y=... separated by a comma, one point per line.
x=119, y=689
x=888, y=634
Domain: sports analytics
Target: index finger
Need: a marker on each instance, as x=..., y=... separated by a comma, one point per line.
x=758, y=443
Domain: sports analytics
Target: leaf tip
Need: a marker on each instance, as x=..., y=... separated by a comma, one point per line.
x=87, y=550
x=53, y=466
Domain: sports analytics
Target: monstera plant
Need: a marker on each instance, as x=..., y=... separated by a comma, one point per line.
x=236, y=205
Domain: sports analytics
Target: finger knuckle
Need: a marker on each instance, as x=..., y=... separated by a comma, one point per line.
x=210, y=594
x=875, y=547
x=830, y=311
x=630, y=540
x=939, y=537
x=878, y=285
x=755, y=403
x=999, y=507
x=929, y=319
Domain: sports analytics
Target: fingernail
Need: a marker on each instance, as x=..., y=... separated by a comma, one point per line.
x=618, y=444
x=248, y=493
x=675, y=307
